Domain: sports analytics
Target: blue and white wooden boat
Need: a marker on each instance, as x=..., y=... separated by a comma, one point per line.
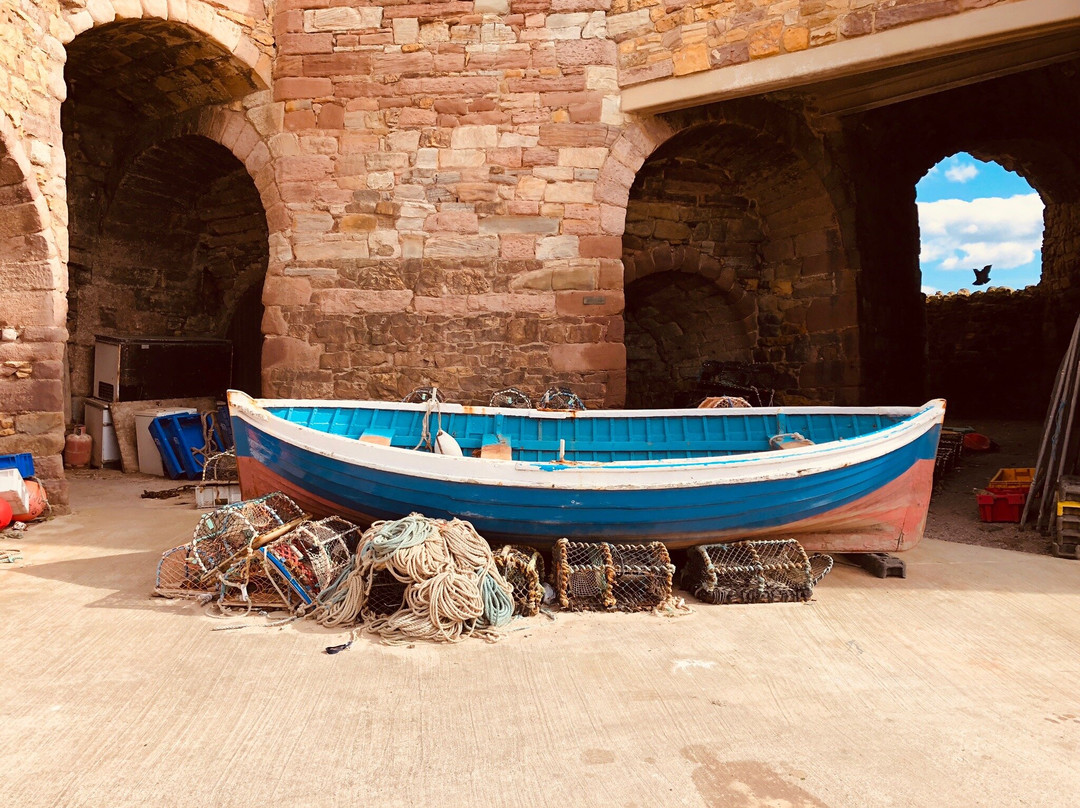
x=682, y=477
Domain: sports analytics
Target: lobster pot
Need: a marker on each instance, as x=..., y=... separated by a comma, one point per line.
x=248, y=584
x=178, y=575
x=236, y=529
x=623, y=577
x=221, y=468
x=312, y=557
x=523, y=569
x=385, y=595
x=950, y=451
x=759, y=571
x=560, y=398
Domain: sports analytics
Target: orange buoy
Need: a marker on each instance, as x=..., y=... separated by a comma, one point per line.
x=39, y=501
x=976, y=442
x=77, y=448
x=5, y=514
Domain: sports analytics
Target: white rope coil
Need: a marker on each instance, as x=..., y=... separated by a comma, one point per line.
x=452, y=586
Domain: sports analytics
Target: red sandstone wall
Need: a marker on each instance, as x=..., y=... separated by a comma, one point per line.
x=443, y=180
x=660, y=38
x=986, y=352
x=32, y=242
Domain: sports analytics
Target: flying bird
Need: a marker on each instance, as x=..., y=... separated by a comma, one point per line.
x=982, y=276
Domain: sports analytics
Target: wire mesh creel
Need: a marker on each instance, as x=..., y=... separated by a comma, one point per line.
x=612, y=577
x=221, y=468
x=313, y=557
x=523, y=569
x=235, y=530
x=753, y=571
x=220, y=541
x=178, y=576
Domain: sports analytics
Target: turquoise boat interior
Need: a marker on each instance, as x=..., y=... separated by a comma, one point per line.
x=597, y=438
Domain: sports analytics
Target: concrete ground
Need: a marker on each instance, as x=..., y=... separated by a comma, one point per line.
x=959, y=686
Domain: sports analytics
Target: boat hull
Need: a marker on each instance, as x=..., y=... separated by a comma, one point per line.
x=877, y=504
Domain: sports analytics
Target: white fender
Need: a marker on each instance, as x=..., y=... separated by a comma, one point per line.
x=446, y=444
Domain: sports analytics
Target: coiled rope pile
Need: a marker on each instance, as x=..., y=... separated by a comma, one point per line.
x=452, y=586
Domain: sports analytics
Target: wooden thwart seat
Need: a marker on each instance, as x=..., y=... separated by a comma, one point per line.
x=379, y=437
x=495, y=447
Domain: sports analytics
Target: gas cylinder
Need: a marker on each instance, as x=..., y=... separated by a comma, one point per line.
x=77, y=448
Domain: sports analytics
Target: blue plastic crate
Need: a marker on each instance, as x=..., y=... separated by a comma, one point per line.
x=223, y=429
x=24, y=462
x=181, y=441
x=170, y=460
x=188, y=433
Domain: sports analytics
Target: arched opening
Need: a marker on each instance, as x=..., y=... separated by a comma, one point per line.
x=732, y=252
x=980, y=229
x=992, y=353
x=168, y=234
x=976, y=213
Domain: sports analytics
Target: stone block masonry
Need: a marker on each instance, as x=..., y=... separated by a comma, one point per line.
x=661, y=38
x=442, y=189
x=984, y=356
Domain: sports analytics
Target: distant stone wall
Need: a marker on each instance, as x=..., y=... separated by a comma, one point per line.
x=661, y=38
x=987, y=352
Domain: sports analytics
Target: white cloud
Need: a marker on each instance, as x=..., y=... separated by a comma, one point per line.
x=958, y=235
x=961, y=172
x=929, y=290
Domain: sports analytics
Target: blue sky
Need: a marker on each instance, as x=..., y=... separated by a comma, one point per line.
x=971, y=214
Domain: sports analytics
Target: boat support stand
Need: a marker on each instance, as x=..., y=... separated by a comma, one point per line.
x=882, y=565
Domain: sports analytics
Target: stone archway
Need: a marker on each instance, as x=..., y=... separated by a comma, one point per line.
x=229, y=36
x=32, y=311
x=181, y=242
x=1023, y=121
x=740, y=193
x=145, y=130
x=681, y=306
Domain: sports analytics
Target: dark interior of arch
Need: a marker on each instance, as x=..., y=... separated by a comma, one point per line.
x=732, y=252
x=659, y=307
x=167, y=233
x=152, y=68
x=181, y=244
x=993, y=353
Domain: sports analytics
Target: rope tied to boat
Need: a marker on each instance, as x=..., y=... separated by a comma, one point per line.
x=431, y=405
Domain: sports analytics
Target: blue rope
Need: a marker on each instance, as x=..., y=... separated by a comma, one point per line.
x=390, y=537
x=498, y=606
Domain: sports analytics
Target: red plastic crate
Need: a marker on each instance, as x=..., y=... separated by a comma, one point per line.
x=1000, y=507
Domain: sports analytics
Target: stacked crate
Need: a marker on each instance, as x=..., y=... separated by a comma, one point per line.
x=1067, y=534
x=1005, y=495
